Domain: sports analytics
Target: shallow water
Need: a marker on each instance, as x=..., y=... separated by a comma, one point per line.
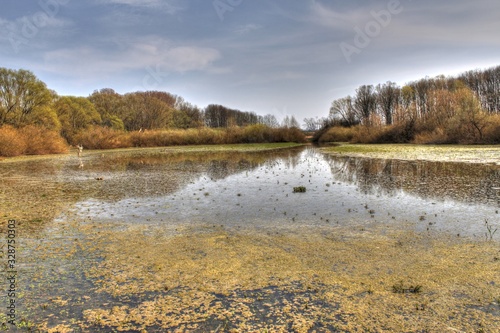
x=77, y=221
x=242, y=192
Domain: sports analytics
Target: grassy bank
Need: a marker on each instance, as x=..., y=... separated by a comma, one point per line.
x=445, y=153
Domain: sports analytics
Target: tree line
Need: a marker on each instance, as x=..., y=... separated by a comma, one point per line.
x=26, y=100
x=445, y=109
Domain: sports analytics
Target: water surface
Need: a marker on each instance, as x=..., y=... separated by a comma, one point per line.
x=257, y=190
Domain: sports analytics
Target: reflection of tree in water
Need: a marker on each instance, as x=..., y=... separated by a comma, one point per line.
x=465, y=182
x=51, y=186
x=221, y=168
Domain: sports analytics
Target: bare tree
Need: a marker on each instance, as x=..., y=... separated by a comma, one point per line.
x=365, y=103
x=387, y=100
x=344, y=110
x=270, y=121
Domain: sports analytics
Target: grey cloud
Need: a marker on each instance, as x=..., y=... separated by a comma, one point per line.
x=168, y=6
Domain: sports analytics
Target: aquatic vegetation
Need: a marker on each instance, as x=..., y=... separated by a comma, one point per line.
x=410, y=152
x=400, y=288
x=299, y=189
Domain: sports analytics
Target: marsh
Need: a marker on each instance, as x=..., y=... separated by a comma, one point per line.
x=213, y=238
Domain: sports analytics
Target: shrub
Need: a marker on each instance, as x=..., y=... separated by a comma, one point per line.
x=492, y=130
x=338, y=134
x=256, y=134
x=208, y=136
x=11, y=143
x=364, y=134
x=160, y=138
x=40, y=141
x=399, y=133
x=101, y=138
x=437, y=136
x=30, y=140
x=292, y=134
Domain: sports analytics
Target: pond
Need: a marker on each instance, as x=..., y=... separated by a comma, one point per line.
x=218, y=240
x=256, y=190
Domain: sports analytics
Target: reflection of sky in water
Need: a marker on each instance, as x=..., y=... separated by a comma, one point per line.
x=339, y=191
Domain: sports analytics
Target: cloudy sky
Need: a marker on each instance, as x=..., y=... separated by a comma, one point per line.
x=268, y=56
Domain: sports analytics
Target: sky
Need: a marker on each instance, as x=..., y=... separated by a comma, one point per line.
x=284, y=57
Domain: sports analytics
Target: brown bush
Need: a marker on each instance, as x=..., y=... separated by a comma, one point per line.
x=365, y=134
x=102, y=138
x=37, y=140
x=291, y=135
x=11, y=143
x=491, y=132
x=161, y=138
x=208, y=136
x=40, y=141
x=437, y=136
x=255, y=134
x=338, y=134
x=399, y=133
x=30, y=140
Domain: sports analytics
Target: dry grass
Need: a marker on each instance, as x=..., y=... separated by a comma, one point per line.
x=453, y=131
x=492, y=131
x=105, y=138
x=30, y=140
x=339, y=134
x=176, y=137
x=102, y=138
x=41, y=141
x=11, y=143
x=437, y=136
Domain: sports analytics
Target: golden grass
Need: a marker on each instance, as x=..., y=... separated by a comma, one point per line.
x=105, y=138
x=11, y=143
x=419, y=132
x=30, y=140
x=339, y=134
x=101, y=138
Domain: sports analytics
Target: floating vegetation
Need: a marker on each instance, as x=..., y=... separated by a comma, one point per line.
x=299, y=189
x=399, y=288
